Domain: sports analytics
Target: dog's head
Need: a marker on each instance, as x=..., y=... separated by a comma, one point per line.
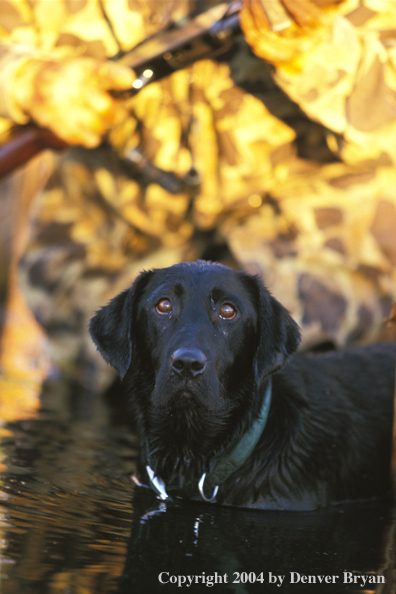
x=196, y=341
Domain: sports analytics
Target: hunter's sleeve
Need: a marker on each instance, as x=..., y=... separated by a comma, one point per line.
x=19, y=42
x=17, y=37
x=12, y=58
x=23, y=35
x=337, y=62
x=40, y=31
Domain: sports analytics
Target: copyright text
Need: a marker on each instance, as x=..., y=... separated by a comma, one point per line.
x=293, y=577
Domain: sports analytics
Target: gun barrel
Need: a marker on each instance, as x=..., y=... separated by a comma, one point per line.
x=209, y=35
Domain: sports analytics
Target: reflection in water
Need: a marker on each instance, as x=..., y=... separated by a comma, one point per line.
x=67, y=502
x=212, y=542
x=73, y=522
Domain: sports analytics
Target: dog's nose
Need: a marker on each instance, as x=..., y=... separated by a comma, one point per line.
x=188, y=362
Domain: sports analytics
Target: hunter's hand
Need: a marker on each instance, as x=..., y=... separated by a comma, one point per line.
x=72, y=97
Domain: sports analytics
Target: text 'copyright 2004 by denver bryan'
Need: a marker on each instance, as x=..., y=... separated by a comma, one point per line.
x=243, y=577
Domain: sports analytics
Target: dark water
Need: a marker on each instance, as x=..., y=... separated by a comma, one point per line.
x=73, y=522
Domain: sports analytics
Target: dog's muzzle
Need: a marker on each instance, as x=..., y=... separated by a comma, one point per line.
x=188, y=363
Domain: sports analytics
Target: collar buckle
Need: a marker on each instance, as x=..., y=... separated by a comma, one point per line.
x=157, y=484
x=201, y=490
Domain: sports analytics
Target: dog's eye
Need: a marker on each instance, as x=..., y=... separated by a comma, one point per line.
x=164, y=306
x=228, y=312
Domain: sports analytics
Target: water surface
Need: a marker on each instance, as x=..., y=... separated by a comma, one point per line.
x=73, y=522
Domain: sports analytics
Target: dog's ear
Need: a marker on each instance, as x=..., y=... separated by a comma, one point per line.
x=111, y=327
x=278, y=334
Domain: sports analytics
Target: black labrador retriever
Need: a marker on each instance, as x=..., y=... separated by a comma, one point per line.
x=225, y=415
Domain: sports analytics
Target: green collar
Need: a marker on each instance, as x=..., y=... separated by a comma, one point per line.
x=224, y=467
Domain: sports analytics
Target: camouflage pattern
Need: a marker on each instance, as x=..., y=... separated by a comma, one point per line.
x=340, y=71
x=287, y=164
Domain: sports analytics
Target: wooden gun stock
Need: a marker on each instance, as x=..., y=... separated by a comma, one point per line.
x=23, y=142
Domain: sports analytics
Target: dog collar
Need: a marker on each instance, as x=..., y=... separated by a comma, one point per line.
x=224, y=467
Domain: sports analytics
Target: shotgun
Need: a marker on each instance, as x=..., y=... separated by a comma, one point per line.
x=208, y=35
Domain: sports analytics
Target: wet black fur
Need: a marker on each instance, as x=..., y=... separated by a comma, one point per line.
x=328, y=434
